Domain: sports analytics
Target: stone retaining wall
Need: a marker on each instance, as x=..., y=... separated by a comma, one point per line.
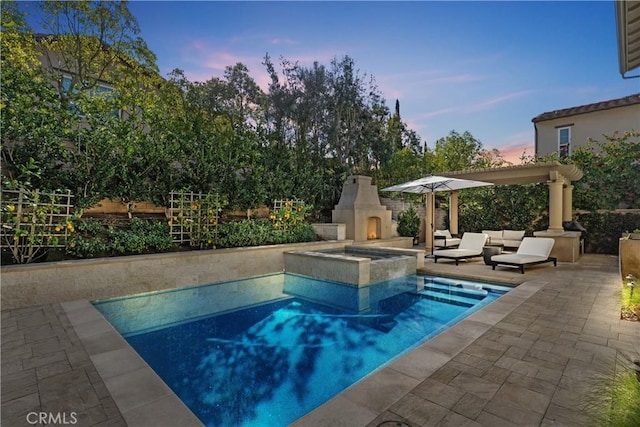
x=100, y=278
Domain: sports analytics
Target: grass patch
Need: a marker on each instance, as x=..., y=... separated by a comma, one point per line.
x=631, y=298
x=615, y=402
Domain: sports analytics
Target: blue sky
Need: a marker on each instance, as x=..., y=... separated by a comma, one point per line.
x=485, y=67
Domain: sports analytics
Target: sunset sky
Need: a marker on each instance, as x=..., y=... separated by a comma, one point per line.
x=485, y=67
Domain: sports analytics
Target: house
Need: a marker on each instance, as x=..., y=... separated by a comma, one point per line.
x=628, y=26
x=562, y=131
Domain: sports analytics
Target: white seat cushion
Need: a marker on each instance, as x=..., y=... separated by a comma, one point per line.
x=518, y=259
x=540, y=246
x=513, y=234
x=473, y=241
x=443, y=233
x=493, y=234
x=471, y=244
x=531, y=250
x=440, y=243
x=456, y=253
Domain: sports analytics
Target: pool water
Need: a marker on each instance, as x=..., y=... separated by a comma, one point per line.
x=273, y=362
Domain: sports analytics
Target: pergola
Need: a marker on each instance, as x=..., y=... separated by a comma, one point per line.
x=559, y=177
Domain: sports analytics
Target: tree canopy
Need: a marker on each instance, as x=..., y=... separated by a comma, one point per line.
x=145, y=135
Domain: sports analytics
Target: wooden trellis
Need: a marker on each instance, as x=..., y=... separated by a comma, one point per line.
x=33, y=221
x=279, y=204
x=192, y=216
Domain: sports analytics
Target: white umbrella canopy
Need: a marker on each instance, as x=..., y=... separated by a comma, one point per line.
x=435, y=183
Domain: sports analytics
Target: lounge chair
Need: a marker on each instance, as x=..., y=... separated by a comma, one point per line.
x=532, y=250
x=470, y=246
x=443, y=239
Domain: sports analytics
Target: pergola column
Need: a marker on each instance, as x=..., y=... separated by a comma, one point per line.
x=453, y=212
x=567, y=202
x=555, y=205
x=429, y=207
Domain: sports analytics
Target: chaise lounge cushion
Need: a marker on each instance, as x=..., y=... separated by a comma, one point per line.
x=532, y=250
x=470, y=246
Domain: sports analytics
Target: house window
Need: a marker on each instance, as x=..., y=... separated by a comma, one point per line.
x=99, y=89
x=564, y=142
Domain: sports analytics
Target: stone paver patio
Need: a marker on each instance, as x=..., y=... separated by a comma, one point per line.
x=527, y=359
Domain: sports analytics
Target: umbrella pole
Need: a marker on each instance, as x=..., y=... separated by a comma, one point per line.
x=430, y=219
x=433, y=220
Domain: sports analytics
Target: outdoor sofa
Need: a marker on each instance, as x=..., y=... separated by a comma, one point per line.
x=532, y=250
x=470, y=246
x=506, y=238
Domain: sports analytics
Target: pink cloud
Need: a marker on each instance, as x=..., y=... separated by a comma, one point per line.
x=435, y=113
x=481, y=106
x=489, y=103
x=518, y=144
x=282, y=41
x=462, y=78
x=513, y=152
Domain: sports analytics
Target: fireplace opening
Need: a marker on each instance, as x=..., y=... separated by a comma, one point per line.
x=373, y=228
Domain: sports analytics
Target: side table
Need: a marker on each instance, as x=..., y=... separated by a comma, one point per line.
x=490, y=250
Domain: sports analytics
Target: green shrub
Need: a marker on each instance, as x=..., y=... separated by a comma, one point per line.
x=256, y=232
x=88, y=247
x=605, y=229
x=409, y=223
x=127, y=241
x=91, y=227
x=94, y=239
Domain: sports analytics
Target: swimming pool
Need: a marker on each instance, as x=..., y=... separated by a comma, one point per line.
x=276, y=360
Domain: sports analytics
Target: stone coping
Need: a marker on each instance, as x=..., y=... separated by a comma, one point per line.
x=361, y=403
x=141, y=396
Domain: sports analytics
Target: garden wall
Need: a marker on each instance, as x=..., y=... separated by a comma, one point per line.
x=46, y=283
x=398, y=206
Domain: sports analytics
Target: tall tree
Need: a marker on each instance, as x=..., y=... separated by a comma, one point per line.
x=33, y=124
x=93, y=42
x=458, y=152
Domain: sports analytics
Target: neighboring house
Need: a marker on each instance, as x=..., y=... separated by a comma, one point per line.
x=98, y=61
x=562, y=131
x=628, y=26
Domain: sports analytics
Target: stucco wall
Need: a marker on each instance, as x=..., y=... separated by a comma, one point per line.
x=629, y=257
x=584, y=126
x=398, y=206
x=36, y=284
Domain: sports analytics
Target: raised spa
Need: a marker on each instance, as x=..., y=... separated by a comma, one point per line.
x=357, y=265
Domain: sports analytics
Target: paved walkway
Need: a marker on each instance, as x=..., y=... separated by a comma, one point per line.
x=525, y=360
x=46, y=369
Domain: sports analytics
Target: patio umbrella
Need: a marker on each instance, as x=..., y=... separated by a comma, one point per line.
x=433, y=184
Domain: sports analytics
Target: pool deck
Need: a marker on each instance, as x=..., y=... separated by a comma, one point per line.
x=527, y=359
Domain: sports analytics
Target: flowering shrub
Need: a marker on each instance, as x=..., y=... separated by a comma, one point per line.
x=286, y=224
x=290, y=215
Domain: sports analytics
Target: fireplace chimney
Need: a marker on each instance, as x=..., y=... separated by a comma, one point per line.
x=359, y=208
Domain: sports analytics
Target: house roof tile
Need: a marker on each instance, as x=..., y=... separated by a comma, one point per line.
x=589, y=108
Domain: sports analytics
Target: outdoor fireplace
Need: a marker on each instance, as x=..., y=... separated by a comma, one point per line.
x=359, y=208
x=373, y=228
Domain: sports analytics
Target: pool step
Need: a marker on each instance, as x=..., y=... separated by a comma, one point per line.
x=449, y=299
x=455, y=290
